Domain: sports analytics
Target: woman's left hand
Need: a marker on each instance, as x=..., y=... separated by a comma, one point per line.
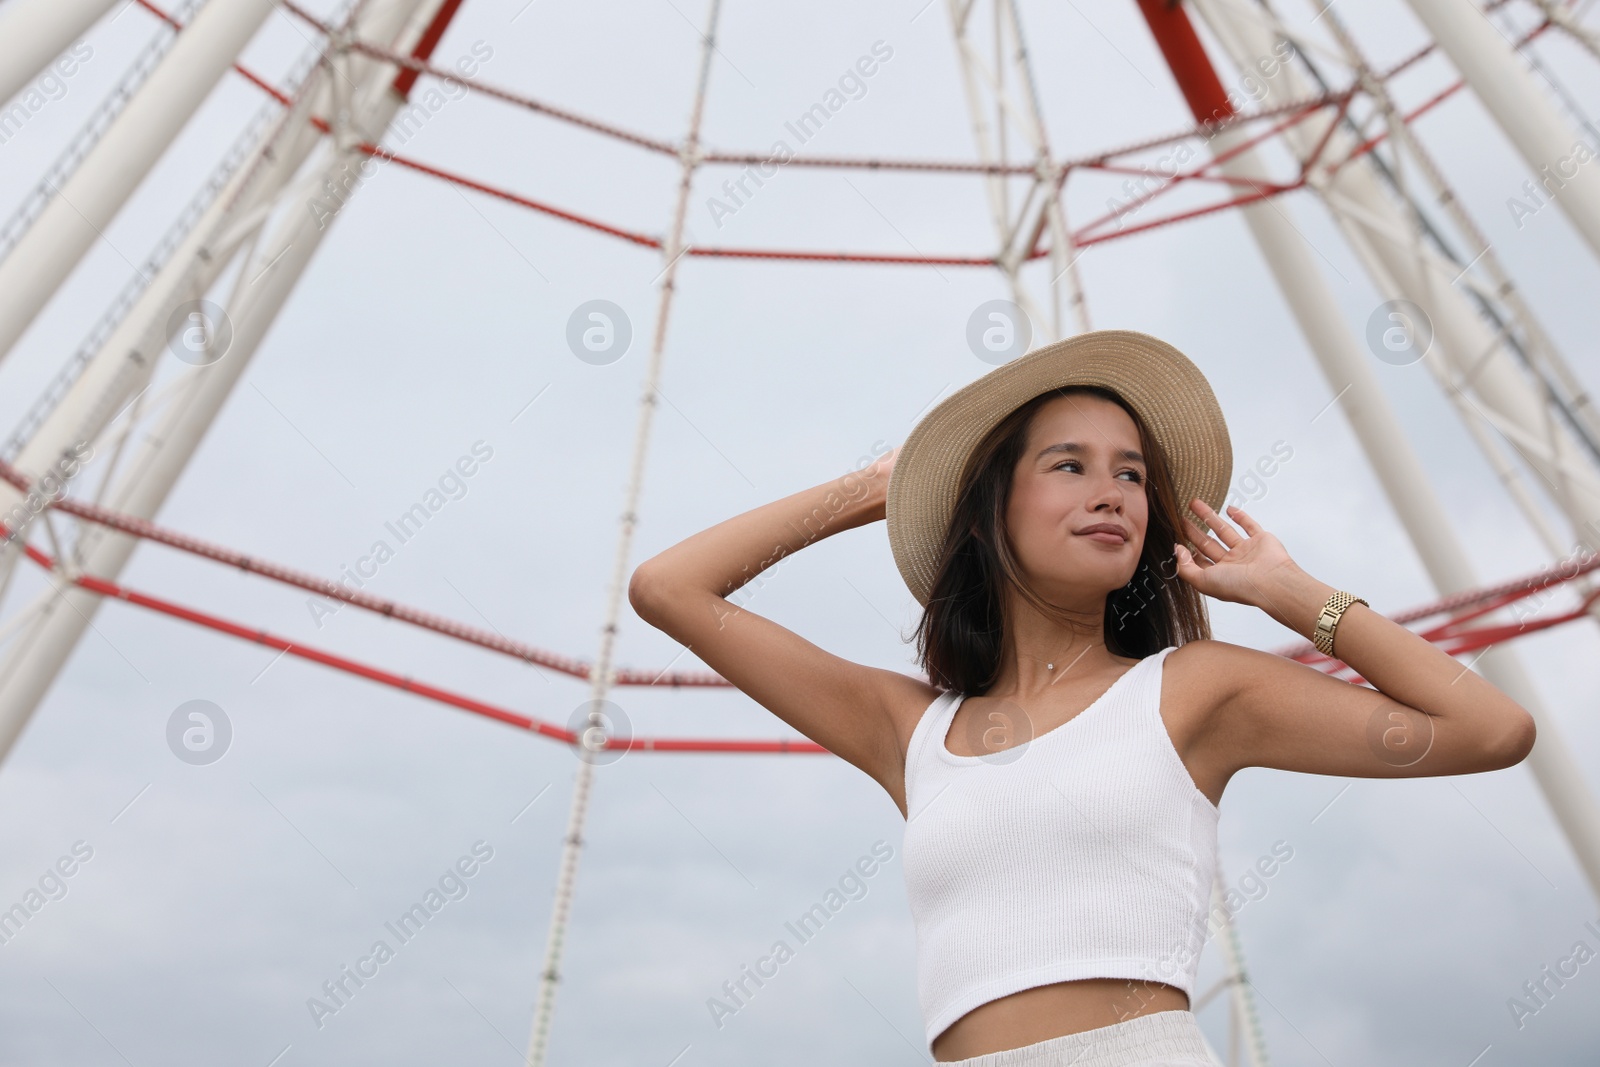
x=1243, y=569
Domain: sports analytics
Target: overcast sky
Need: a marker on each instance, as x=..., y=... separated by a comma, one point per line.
x=215, y=900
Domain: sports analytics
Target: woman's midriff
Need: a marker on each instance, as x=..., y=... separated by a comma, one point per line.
x=1043, y=1012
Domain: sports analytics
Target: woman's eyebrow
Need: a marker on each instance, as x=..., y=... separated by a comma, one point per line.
x=1073, y=446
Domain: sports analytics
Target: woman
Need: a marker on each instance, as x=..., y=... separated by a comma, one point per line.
x=1060, y=769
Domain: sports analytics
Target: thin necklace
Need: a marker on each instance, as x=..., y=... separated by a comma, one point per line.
x=1074, y=663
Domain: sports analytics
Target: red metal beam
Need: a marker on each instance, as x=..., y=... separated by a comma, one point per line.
x=1186, y=57
x=1451, y=634
x=425, y=46
x=1184, y=47
x=1199, y=83
x=146, y=530
x=396, y=681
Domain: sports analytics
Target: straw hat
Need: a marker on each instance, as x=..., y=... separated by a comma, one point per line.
x=1167, y=390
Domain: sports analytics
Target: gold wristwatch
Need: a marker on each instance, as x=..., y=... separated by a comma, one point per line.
x=1332, y=611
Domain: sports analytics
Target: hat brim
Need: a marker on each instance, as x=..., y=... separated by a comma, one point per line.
x=1160, y=383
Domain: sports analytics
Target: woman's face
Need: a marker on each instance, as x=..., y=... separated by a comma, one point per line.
x=1082, y=468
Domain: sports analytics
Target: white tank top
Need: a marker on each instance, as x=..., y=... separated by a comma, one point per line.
x=1087, y=852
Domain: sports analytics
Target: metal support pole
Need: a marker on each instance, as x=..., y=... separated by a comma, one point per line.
x=1473, y=363
x=1524, y=114
x=123, y=365
x=91, y=198
x=1349, y=373
x=602, y=673
x=1246, y=1021
x=34, y=32
x=263, y=284
x=1018, y=227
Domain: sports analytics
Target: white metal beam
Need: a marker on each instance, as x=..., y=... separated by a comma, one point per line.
x=263, y=284
x=82, y=209
x=34, y=32
x=1524, y=114
x=1017, y=227
x=1345, y=364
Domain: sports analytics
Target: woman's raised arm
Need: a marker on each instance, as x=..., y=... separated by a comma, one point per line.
x=1429, y=715
x=855, y=711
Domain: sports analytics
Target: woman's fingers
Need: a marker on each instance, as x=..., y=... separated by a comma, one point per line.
x=1219, y=525
x=1193, y=569
x=1202, y=560
x=1208, y=546
x=1246, y=523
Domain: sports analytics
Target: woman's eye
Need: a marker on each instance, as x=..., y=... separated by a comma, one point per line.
x=1135, y=475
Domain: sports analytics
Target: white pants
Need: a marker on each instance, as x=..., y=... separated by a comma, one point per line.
x=1157, y=1039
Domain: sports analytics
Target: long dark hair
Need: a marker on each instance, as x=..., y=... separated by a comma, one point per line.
x=963, y=629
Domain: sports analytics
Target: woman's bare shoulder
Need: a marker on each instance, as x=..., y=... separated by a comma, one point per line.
x=1206, y=671
x=1209, y=654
